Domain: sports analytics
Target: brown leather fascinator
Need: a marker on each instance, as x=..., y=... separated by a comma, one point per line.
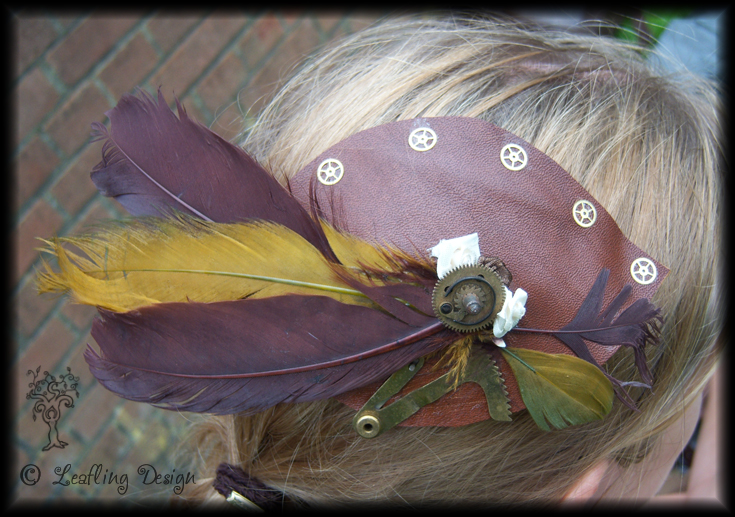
x=435, y=271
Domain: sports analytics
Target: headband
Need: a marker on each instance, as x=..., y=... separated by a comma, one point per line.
x=229, y=293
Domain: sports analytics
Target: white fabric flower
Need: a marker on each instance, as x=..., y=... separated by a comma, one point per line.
x=513, y=310
x=451, y=253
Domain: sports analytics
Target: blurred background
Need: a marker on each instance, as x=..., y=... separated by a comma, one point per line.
x=67, y=69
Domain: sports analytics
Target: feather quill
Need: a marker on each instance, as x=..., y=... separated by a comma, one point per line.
x=155, y=162
x=247, y=355
x=152, y=260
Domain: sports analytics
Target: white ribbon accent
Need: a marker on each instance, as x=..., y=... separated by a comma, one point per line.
x=452, y=253
x=513, y=310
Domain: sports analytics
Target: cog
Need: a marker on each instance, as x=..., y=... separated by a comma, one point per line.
x=469, y=291
x=468, y=298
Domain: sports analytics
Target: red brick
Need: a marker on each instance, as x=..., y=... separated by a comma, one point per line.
x=80, y=315
x=35, y=98
x=193, y=112
x=46, y=351
x=28, y=495
x=153, y=438
x=167, y=27
x=327, y=20
x=109, y=450
x=67, y=20
x=79, y=366
x=260, y=39
x=291, y=15
x=133, y=415
x=302, y=41
x=40, y=221
x=87, y=44
x=19, y=381
x=50, y=460
x=338, y=34
x=34, y=35
x=20, y=459
x=229, y=123
x=31, y=308
x=97, y=214
x=299, y=44
x=74, y=188
x=196, y=53
x=259, y=91
x=130, y=66
x=70, y=126
x=32, y=168
x=96, y=405
x=362, y=20
x=221, y=86
x=146, y=450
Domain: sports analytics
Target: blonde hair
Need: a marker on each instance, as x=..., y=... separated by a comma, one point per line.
x=644, y=145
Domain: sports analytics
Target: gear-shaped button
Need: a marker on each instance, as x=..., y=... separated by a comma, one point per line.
x=330, y=171
x=422, y=139
x=468, y=298
x=513, y=157
x=643, y=271
x=584, y=213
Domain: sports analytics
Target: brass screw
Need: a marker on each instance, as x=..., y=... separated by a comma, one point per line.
x=368, y=426
x=472, y=303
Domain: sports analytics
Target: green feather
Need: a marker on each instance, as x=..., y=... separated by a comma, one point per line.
x=560, y=389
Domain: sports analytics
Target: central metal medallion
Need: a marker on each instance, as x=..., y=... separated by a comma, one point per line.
x=468, y=298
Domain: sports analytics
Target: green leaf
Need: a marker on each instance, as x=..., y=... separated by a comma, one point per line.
x=560, y=389
x=655, y=22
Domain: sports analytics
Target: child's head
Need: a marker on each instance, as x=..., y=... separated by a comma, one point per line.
x=645, y=146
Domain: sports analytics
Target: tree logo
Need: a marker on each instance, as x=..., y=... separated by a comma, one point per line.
x=50, y=394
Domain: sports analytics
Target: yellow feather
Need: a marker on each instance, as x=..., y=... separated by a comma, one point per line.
x=354, y=252
x=455, y=357
x=152, y=260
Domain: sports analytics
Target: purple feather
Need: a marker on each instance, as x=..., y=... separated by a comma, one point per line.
x=635, y=327
x=154, y=163
x=248, y=355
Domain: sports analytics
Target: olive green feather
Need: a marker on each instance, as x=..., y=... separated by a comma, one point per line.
x=560, y=389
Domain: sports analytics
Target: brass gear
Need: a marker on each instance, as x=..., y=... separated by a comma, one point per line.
x=468, y=298
x=472, y=295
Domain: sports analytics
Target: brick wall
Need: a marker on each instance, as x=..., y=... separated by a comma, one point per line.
x=69, y=68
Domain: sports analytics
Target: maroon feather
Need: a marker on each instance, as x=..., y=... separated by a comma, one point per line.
x=410, y=302
x=154, y=162
x=247, y=355
x=635, y=327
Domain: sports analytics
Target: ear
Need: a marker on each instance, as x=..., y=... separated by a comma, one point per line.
x=587, y=485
